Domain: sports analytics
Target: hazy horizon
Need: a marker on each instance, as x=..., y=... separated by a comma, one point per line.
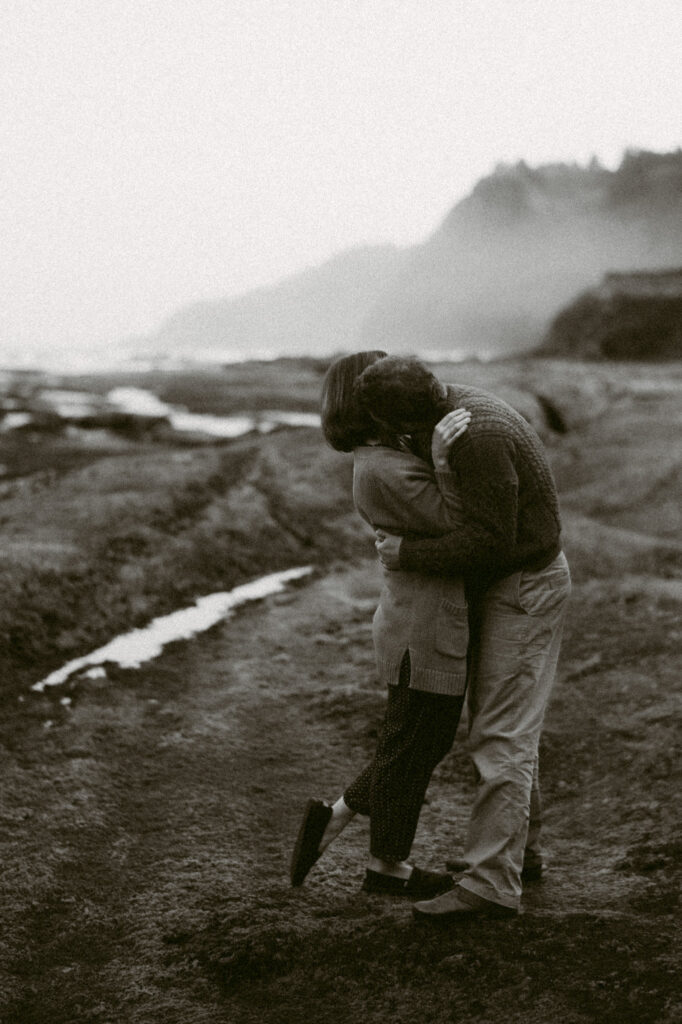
x=160, y=157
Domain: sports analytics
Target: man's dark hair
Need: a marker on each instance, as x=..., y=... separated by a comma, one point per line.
x=402, y=394
x=345, y=423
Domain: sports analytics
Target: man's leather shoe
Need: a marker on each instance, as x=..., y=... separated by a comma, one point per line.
x=459, y=903
x=532, y=871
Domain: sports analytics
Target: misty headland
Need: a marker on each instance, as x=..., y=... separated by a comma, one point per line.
x=504, y=262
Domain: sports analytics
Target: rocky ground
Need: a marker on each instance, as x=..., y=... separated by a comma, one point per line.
x=147, y=818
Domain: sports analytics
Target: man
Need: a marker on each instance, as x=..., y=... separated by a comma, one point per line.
x=508, y=551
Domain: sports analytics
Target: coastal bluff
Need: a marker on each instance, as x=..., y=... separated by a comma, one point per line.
x=627, y=316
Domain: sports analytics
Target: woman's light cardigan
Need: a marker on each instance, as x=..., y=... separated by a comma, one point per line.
x=425, y=615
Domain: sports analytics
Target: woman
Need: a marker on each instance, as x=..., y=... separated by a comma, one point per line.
x=420, y=635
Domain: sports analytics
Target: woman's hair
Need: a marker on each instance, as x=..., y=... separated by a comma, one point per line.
x=402, y=394
x=345, y=423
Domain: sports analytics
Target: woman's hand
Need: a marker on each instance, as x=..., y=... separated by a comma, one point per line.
x=445, y=433
x=388, y=547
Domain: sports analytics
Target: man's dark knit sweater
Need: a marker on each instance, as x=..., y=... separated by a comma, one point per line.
x=508, y=495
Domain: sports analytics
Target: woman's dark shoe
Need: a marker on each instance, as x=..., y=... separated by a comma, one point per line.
x=421, y=885
x=307, y=849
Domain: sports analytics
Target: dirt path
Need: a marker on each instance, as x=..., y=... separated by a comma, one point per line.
x=147, y=828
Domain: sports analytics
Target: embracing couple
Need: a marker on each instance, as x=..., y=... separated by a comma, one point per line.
x=457, y=487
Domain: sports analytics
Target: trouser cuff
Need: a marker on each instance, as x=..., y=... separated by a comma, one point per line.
x=487, y=892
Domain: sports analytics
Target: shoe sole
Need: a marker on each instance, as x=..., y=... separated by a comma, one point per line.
x=449, y=917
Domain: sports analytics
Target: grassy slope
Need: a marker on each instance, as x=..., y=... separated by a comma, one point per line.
x=105, y=548
x=148, y=831
x=144, y=842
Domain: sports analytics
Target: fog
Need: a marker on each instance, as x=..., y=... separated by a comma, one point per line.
x=158, y=156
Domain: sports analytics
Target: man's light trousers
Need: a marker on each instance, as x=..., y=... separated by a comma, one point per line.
x=522, y=624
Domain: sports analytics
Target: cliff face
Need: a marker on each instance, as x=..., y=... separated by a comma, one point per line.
x=642, y=285
x=628, y=316
x=504, y=261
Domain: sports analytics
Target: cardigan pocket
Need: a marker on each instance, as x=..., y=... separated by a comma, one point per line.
x=452, y=630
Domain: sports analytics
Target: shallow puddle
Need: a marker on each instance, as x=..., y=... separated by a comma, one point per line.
x=130, y=650
x=145, y=403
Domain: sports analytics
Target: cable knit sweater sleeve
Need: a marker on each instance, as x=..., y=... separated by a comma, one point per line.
x=488, y=488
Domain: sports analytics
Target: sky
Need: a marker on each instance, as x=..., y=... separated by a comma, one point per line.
x=155, y=153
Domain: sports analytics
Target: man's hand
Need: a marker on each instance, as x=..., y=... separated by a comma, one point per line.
x=388, y=546
x=445, y=434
